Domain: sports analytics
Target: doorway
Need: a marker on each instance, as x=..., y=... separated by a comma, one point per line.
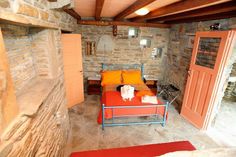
x=223, y=128
x=213, y=56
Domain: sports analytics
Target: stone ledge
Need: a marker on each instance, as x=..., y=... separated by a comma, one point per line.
x=33, y=95
x=233, y=27
x=26, y=21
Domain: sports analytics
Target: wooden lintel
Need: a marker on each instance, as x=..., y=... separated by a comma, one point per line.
x=98, y=9
x=122, y=23
x=52, y=0
x=177, y=8
x=73, y=13
x=204, y=18
x=131, y=9
x=211, y=10
x=16, y=19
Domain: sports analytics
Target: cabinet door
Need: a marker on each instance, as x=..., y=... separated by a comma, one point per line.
x=73, y=70
x=210, y=54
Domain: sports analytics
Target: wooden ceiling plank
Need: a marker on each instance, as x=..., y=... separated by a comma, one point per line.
x=73, y=13
x=98, y=9
x=204, y=18
x=122, y=23
x=215, y=9
x=175, y=7
x=132, y=8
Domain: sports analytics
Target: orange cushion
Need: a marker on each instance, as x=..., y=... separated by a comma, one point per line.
x=132, y=77
x=111, y=77
x=144, y=92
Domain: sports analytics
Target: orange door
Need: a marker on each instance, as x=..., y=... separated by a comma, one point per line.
x=73, y=70
x=210, y=53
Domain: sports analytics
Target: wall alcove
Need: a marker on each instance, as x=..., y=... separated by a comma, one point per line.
x=34, y=61
x=32, y=57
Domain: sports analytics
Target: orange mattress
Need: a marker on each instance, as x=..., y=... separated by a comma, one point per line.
x=113, y=98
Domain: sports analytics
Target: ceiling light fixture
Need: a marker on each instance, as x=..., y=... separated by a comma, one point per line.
x=142, y=11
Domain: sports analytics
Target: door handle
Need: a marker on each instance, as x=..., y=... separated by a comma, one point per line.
x=189, y=73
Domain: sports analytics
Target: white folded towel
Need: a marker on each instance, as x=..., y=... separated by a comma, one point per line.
x=149, y=99
x=127, y=92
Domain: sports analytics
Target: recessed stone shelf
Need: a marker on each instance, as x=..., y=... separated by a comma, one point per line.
x=13, y=18
x=33, y=95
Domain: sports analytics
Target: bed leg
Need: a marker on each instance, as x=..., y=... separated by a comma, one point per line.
x=165, y=114
x=103, y=119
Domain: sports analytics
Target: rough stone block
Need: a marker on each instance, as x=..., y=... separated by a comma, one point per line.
x=43, y=15
x=26, y=9
x=4, y=4
x=6, y=149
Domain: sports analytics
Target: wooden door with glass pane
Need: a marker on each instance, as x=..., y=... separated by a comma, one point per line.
x=73, y=70
x=210, y=53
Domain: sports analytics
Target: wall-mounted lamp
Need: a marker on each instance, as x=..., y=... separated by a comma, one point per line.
x=156, y=53
x=133, y=32
x=145, y=43
x=215, y=26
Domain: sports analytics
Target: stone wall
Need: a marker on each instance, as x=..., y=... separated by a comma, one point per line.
x=41, y=128
x=43, y=133
x=230, y=90
x=30, y=52
x=18, y=47
x=36, y=12
x=43, y=44
x=233, y=72
x=126, y=50
x=179, y=52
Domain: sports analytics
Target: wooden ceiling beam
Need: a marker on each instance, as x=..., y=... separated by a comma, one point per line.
x=121, y=23
x=176, y=8
x=215, y=9
x=132, y=8
x=204, y=18
x=98, y=9
x=73, y=13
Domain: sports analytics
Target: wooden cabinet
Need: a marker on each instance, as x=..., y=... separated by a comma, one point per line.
x=93, y=86
x=152, y=84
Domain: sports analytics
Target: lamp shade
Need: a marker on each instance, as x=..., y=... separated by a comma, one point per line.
x=142, y=11
x=143, y=42
x=133, y=32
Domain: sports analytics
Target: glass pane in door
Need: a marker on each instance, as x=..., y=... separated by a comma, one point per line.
x=207, y=52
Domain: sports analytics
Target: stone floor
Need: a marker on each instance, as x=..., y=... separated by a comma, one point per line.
x=88, y=135
x=224, y=128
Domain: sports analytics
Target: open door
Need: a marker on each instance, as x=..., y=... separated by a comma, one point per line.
x=210, y=54
x=73, y=69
